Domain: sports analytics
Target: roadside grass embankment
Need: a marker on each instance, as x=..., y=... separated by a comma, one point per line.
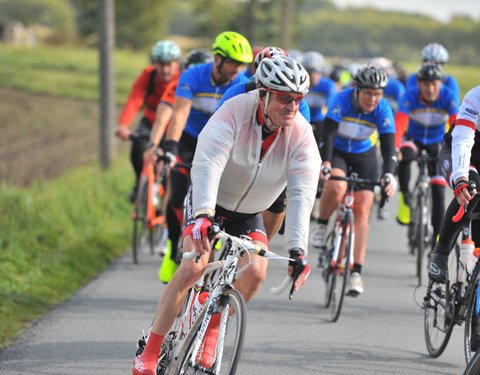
x=55, y=236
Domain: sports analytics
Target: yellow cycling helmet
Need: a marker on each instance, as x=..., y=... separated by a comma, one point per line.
x=235, y=46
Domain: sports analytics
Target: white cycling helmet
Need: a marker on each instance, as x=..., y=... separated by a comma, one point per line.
x=267, y=52
x=435, y=52
x=165, y=51
x=282, y=73
x=313, y=61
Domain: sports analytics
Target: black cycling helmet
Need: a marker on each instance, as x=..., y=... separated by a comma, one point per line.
x=370, y=77
x=430, y=71
x=198, y=56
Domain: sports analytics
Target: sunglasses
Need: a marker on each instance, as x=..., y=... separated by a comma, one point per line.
x=285, y=99
x=235, y=63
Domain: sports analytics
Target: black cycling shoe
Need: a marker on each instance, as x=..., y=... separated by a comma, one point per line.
x=438, y=267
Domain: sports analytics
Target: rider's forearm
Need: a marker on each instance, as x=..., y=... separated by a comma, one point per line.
x=330, y=132
x=463, y=138
x=387, y=145
x=163, y=116
x=181, y=111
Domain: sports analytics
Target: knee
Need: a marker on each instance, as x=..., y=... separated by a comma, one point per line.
x=255, y=275
x=334, y=191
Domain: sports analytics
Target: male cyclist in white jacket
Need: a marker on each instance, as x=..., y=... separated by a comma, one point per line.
x=253, y=147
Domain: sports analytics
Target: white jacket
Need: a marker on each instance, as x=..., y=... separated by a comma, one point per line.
x=227, y=170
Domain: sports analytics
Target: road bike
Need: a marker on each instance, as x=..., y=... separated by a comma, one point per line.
x=453, y=302
x=180, y=348
x=336, y=258
x=148, y=217
x=419, y=230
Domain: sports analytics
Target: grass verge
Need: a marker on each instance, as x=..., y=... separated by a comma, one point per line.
x=55, y=236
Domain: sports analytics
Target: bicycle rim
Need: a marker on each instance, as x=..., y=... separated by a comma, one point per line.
x=420, y=240
x=473, y=367
x=327, y=270
x=467, y=343
x=232, y=306
x=140, y=220
x=439, y=316
x=340, y=274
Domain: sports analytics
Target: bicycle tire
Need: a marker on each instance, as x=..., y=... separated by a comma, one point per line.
x=233, y=338
x=140, y=220
x=327, y=270
x=420, y=233
x=341, y=271
x=468, y=327
x=439, y=319
x=473, y=367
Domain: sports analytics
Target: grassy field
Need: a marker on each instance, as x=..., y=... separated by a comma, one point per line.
x=73, y=72
x=57, y=235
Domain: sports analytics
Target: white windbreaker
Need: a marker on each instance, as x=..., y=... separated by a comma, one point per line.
x=227, y=170
x=463, y=136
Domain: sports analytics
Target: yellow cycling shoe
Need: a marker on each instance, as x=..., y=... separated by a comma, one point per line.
x=403, y=213
x=168, y=267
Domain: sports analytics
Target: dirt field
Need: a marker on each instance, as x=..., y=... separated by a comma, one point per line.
x=42, y=136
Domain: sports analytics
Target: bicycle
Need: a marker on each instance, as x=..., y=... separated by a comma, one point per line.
x=147, y=215
x=336, y=259
x=181, y=345
x=419, y=230
x=453, y=302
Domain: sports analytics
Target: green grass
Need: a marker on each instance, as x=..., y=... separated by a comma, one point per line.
x=65, y=71
x=57, y=235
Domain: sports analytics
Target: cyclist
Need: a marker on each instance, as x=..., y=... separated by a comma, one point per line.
x=322, y=90
x=198, y=94
x=395, y=89
x=353, y=120
x=155, y=84
x=436, y=53
x=197, y=56
x=425, y=109
x=252, y=147
x=460, y=161
x=274, y=215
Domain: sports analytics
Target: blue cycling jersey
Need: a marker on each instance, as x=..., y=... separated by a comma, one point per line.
x=319, y=98
x=427, y=122
x=393, y=92
x=448, y=81
x=240, y=89
x=358, y=132
x=196, y=84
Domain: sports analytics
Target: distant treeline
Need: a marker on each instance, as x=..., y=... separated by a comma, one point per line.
x=302, y=24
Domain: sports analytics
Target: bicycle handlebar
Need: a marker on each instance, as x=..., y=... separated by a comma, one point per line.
x=462, y=210
x=247, y=245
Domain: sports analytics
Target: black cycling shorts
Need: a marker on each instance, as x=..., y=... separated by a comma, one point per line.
x=233, y=223
x=278, y=206
x=364, y=164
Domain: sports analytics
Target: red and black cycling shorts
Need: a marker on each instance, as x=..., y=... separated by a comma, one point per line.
x=234, y=223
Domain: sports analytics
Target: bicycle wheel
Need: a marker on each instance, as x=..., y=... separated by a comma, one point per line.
x=471, y=311
x=473, y=367
x=140, y=220
x=232, y=307
x=439, y=310
x=327, y=267
x=340, y=271
x=421, y=223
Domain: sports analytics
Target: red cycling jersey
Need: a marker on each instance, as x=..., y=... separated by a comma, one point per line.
x=162, y=92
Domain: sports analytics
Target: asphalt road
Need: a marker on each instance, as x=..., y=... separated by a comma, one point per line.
x=380, y=332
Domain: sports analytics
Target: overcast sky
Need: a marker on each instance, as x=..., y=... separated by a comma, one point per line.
x=439, y=9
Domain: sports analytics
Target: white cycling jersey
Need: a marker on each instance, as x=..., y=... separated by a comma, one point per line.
x=463, y=135
x=227, y=169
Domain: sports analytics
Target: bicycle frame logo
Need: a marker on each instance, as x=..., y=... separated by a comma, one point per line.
x=349, y=200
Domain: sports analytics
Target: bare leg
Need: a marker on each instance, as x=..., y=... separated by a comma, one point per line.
x=361, y=210
x=272, y=222
x=332, y=195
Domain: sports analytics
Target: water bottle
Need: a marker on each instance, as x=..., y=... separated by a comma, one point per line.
x=467, y=260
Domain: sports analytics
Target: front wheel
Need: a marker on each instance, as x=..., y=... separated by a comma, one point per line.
x=439, y=310
x=139, y=242
x=471, y=313
x=341, y=269
x=233, y=324
x=421, y=222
